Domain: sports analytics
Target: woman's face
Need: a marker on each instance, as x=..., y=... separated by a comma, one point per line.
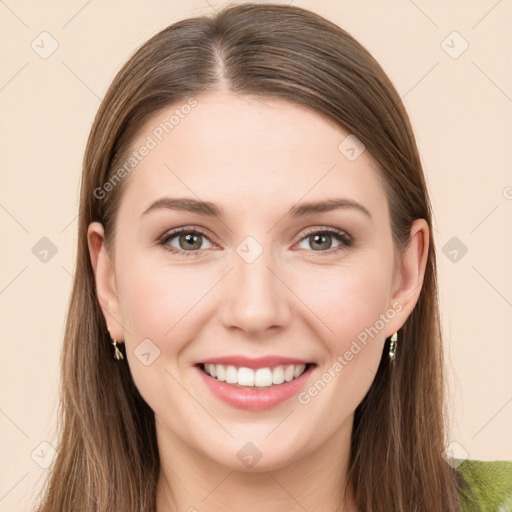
x=260, y=279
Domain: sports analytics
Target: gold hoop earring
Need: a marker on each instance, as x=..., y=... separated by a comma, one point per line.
x=392, y=346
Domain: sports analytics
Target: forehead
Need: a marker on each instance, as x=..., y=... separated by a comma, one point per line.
x=254, y=151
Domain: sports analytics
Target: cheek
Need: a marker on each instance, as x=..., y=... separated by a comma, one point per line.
x=155, y=299
x=346, y=300
x=157, y=305
x=350, y=303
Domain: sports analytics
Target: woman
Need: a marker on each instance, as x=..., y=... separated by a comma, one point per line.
x=254, y=318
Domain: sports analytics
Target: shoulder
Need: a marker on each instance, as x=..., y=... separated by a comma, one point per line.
x=486, y=485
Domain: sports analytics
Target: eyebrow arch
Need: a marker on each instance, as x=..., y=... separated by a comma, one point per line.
x=210, y=209
x=326, y=206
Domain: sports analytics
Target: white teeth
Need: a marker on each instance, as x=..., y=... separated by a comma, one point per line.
x=299, y=370
x=245, y=376
x=278, y=375
x=231, y=375
x=288, y=373
x=261, y=378
x=221, y=372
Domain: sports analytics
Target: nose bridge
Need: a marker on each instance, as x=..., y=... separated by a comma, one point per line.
x=255, y=298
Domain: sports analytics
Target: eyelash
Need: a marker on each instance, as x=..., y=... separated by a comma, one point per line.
x=344, y=239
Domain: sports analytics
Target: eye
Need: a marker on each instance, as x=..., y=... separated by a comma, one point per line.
x=322, y=239
x=189, y=241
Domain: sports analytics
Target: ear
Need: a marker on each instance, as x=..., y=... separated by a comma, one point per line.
x=408, y=279
x=104, y=276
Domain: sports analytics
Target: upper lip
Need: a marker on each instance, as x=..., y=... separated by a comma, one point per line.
x=254, y=362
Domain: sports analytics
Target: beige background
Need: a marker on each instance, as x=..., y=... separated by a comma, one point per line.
x=460, y=109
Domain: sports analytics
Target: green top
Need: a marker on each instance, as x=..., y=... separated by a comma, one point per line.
x=488, y=485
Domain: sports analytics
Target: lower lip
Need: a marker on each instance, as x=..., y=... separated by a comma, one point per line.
x=255, y=399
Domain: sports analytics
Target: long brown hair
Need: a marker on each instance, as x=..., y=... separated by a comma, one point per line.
x=107, y=454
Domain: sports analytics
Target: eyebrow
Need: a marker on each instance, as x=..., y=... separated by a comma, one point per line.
x=210, y=209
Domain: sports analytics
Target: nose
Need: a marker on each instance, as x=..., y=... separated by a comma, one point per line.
x=255, y=296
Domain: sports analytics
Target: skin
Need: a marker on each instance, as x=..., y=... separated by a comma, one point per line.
x=256, y=159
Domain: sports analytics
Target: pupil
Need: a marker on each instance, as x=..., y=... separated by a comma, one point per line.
x=318, y=238
x=189, y=239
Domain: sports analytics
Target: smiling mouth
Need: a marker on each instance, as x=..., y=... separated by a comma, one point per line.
x=258, y=378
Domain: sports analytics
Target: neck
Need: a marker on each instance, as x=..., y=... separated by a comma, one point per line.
x=192, y=482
